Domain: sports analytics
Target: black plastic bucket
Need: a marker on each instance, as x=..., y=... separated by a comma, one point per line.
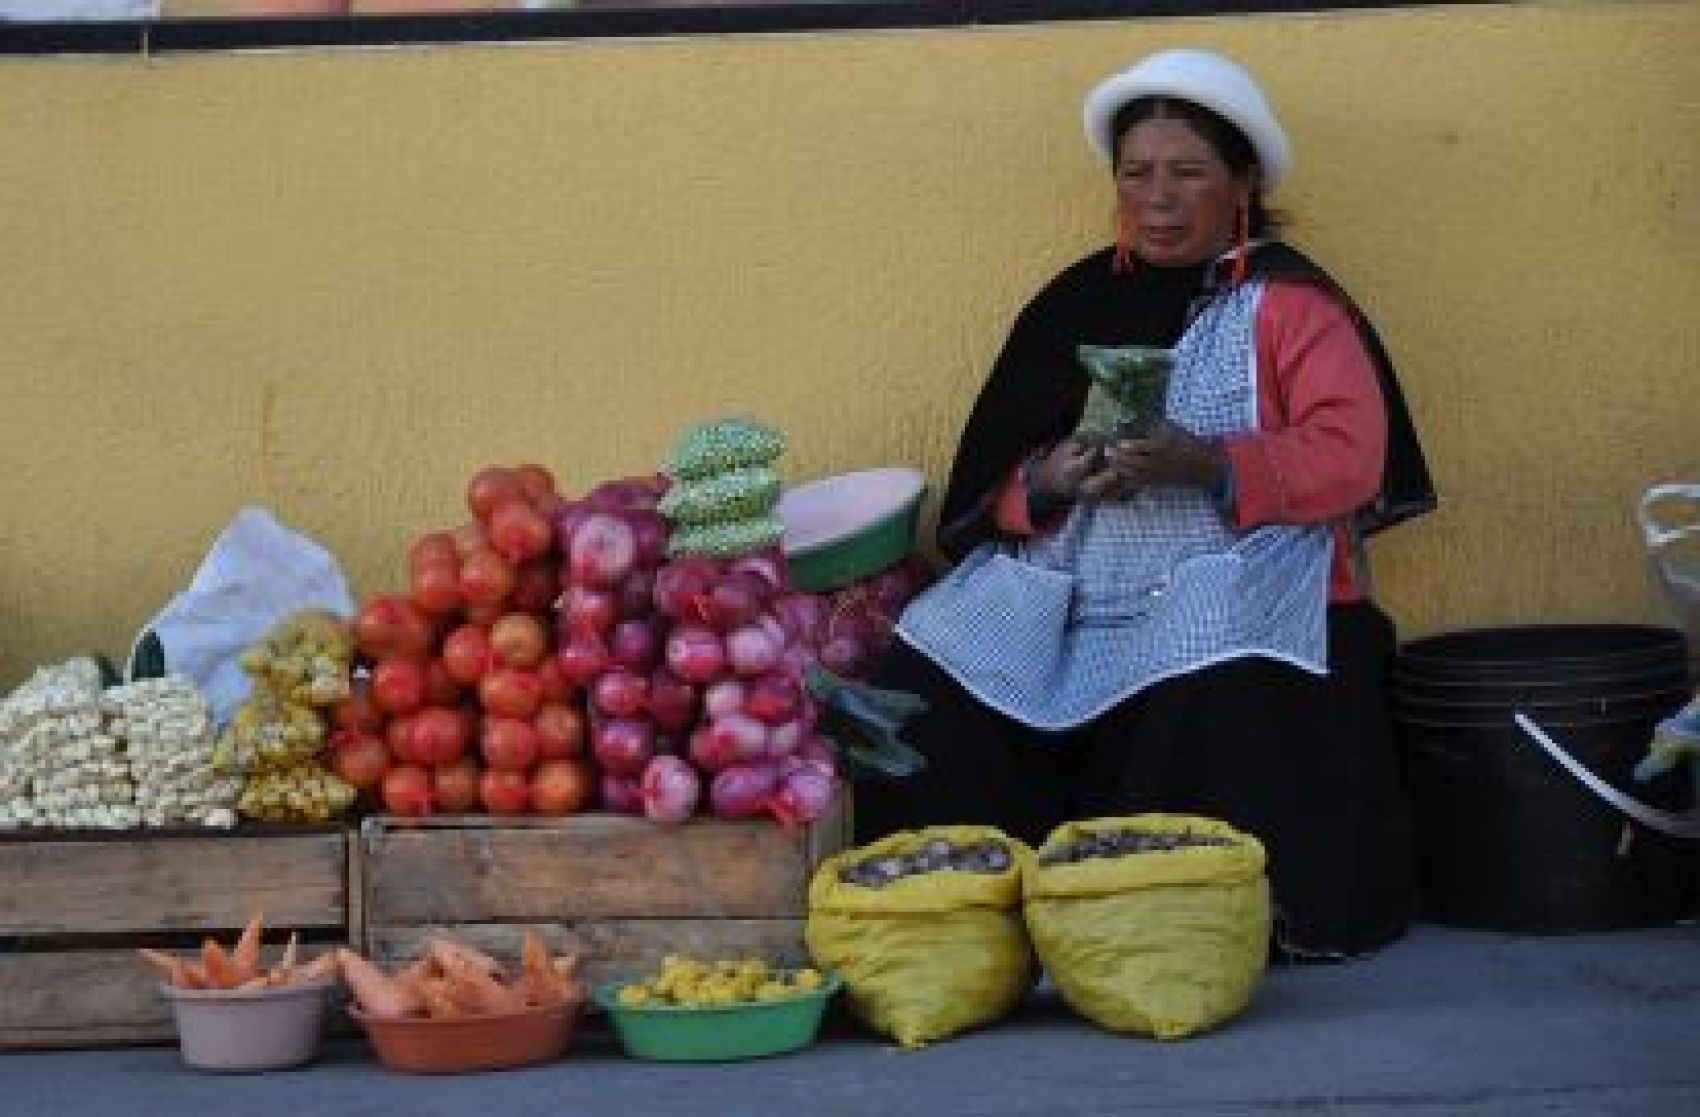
x=1507, y=839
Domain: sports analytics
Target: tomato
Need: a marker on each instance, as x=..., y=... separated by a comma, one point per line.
x=519, y=640
x=416, y=633
x=454, y=787
x=561, y=787
x=466, y=654
x=484, y=615
x=519, y=531
x=486, y=578
x=398, y=685
x=489, y=487
x=359, y=758
x=504, y=792
x=358, y=711
x=471, y=720
x=438, y=736
x=376, y=626
x=441, y=688
x=434, y=548
x=406, y=790
x=550, y=504
x=435, y=589
x=468, y=537
x=510, y=692
x=509, y=744
x=389, y=626
x=535, y=480
x=561, y=730
x=398, y=738
x=553, y=684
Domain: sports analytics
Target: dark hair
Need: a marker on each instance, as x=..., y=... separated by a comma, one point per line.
x=1227, y=141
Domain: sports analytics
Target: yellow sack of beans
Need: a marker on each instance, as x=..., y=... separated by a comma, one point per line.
x=925, y=928
x=1154, y=924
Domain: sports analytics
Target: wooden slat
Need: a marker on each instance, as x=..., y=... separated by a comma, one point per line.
x=611, y=947
x=588, y=866
x=354, y=880
x=77, y=998
x=87, y=998
x=138, y=884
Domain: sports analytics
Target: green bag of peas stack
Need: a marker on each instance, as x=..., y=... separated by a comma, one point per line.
x=925, y=929
x=1154, y=924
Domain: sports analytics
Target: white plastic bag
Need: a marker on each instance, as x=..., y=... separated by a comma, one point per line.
x=257, y=573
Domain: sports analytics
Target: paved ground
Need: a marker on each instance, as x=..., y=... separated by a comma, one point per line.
x=1445, y=1022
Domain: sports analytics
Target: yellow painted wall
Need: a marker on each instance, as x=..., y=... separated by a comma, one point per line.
x=336, y=281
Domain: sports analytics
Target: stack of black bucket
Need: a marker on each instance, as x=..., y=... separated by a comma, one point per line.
x=1506, y=838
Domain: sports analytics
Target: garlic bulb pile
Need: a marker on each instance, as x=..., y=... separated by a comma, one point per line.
x=168, y=735
x=61, y=766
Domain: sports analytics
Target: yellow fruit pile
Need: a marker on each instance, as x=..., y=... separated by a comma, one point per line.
x=691, y=983
x=276, y=736
x=304, y=660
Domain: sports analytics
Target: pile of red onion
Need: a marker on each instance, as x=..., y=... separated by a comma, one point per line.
x=693, y=666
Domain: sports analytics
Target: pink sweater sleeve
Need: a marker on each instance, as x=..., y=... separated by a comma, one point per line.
x=1317, y=453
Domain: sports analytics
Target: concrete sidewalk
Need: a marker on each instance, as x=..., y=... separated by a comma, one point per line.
x=1444, y=1022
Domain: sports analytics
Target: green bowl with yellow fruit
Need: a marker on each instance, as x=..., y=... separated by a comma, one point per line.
x=718, y=1023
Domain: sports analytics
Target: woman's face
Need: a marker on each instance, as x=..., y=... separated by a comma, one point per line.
x=1177, y=196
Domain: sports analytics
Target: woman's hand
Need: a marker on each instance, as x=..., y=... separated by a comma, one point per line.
x=1171, y=455
x=1055, y=478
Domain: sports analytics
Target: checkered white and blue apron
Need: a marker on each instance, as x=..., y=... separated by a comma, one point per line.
x=1053, y=631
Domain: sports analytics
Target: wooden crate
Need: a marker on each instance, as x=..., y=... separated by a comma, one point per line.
x=76, y=905
x=622, y=891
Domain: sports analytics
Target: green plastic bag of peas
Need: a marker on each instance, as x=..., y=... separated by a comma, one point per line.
x=925, y=952
x=1153, y=924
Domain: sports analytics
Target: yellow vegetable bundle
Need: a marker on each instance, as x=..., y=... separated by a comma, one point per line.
x=276, y=736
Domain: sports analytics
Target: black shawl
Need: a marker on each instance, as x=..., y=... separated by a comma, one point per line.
x=1036, y=390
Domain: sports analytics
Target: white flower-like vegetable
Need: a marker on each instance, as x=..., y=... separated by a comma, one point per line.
x=60, y=767
x=168, y=737
x=72, y=755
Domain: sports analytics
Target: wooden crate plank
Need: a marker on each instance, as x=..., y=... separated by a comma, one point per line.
x=588, y=866
x=610, y=947
x=140, y=884
x=77, y=997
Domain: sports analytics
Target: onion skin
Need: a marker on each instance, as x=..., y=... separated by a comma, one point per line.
x=671, y=790
x=744, y=791
x=695, y=653
x=804, y=794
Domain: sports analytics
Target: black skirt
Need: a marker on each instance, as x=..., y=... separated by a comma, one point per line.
x=1306, y=763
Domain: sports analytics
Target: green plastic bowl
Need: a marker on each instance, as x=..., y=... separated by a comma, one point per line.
x=850, y=526
x=751, y=1030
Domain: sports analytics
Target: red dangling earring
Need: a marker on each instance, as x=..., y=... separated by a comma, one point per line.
x=1242, y=243
x=1123, y=260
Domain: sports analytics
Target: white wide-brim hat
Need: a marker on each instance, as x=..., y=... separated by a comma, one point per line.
x=1207, y=79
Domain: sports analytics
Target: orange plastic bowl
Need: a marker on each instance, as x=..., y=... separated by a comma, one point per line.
x=474, y=1043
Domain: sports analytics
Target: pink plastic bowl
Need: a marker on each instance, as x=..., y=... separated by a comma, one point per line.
x=248, y=1029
